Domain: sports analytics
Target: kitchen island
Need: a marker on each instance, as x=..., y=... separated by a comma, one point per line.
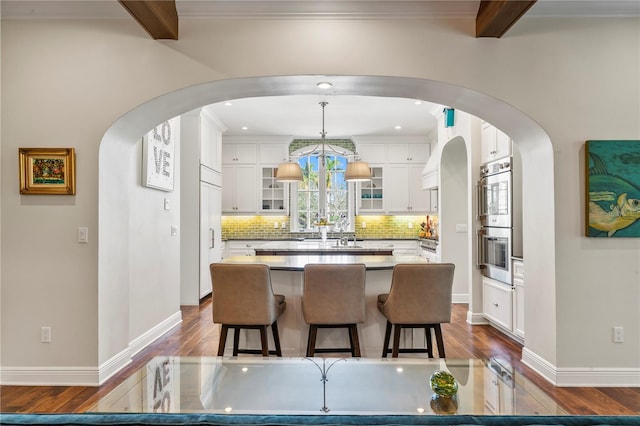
x=320, y=248
x=287, y=279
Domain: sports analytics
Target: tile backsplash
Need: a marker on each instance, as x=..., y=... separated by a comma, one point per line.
x=366, y=227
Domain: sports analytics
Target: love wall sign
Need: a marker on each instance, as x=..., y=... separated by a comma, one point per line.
x=158, y=156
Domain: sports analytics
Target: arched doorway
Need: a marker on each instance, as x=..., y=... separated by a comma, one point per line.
x=538, y=183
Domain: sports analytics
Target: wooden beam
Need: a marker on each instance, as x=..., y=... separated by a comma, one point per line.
x=494, y=18
x=159, y=18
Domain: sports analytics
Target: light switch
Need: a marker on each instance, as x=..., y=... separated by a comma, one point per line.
x=174, y=230
x=83, y=234
x=167, y=204
x=461, y=227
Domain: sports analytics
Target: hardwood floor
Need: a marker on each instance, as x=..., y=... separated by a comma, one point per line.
x=196, y=337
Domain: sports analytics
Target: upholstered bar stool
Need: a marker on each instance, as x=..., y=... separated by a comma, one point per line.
x=333, y=297
x=420, y=297
x=243, y=299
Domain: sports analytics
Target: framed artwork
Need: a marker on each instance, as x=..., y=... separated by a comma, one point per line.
x=158, y=159
x=47, y=171
x=613, y=188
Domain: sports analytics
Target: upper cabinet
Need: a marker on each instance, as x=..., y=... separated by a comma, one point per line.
x=273, y=153
x=371, y=193
x=239, y=153
x=404, y=189
x=495, y=144
x=411, y=153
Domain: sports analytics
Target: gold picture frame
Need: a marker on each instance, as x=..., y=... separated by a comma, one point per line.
x=47, y=171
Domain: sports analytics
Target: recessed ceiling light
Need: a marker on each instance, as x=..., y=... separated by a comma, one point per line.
x=228, y=104
x=398, y=127
x=420, y=410
x=245, y=128
x=324, y=85
x=418, y=102
x=228, y=409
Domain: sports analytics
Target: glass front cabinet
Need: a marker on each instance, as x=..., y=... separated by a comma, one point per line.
x=273, y=197
x=371, y=192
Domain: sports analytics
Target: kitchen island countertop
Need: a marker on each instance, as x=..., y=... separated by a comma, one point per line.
x=297, y=263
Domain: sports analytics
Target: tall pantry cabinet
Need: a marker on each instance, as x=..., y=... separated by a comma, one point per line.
x=201, y=202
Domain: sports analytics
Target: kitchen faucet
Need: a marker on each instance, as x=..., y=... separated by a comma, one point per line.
x=341, y=225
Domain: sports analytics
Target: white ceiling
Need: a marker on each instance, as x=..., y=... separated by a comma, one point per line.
x=301, y=116
x=16, y=9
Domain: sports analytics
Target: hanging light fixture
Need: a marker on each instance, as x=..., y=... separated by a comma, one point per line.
x=289, y=172
x=357, y=171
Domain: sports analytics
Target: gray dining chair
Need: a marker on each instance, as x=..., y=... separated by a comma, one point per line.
x=243, y=299
x=420, y=297
x=333, y=297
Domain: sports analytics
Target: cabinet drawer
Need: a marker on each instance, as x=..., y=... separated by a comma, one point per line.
x=497, y=303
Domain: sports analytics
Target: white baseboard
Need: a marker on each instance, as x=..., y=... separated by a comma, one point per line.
x=113, y=365
x=49, y=376
x=460, y=298
x=86, y=376
x=476, y=318
x=149, y=336
x=581, y=376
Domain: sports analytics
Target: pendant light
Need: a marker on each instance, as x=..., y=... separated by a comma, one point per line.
x=357, y=171
x=289, y=172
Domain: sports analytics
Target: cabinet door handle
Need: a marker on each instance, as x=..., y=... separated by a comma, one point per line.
x=495, y=304
x=212, y=241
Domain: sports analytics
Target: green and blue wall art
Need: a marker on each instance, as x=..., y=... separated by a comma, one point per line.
x=613, y=188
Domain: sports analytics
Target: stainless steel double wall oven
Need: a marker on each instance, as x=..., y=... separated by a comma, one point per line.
x=495, y=204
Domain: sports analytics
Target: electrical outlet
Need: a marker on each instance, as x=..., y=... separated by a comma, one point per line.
x=283, y=225
x=275, y=225
x=409, y=225
x=618, y=334
x=45, y=334
x=364, y=224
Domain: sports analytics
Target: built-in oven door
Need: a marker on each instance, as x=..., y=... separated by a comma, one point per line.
x=494, y=253
x=494, y=200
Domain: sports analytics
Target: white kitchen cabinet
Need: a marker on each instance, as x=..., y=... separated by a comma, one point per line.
x=273, y=197
x=409, y=153
x=399, y=247
x=497, y=303
x=210, y=233
x=404, y=192
x=372, y=152
x=242, y=247
x=433, y=200
x=499, y=396
x=370, y=194
x=211, y=136
x=239, y=188
x=239, y=153
x=273, y=153
x=494, y=143
x=518, y=297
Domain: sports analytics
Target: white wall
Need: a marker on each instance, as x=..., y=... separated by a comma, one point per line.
x=65, y=82
x=454, y=190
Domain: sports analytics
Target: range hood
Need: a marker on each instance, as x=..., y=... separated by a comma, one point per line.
x=430, y=171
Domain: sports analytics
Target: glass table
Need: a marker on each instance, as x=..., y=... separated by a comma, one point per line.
x=347, y=386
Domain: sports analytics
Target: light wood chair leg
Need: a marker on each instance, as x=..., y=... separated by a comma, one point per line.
x=223, y=339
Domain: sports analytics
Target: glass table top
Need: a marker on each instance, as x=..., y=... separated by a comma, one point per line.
x=255, y=385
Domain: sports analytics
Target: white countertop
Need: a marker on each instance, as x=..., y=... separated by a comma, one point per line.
x=297, y=263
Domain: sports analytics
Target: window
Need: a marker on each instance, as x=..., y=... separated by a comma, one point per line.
x=308, y=202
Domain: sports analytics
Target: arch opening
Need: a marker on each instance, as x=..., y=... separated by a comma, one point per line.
x=115, y=258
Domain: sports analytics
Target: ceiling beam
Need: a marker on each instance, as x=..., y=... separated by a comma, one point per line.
x=494, y=18
x=159, y=18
